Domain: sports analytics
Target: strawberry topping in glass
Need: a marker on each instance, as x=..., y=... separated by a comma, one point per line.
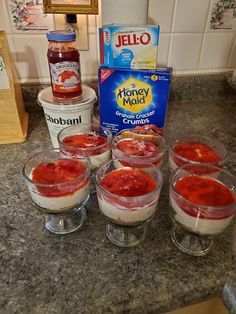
x=206, y=192
x=137, y=147
x=59, y=172
x=196, y=151
x=128, y=182
x=88, y=141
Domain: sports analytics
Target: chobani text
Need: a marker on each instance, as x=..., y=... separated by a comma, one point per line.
x=62, y=121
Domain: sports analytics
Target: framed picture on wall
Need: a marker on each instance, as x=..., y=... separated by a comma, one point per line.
x=71, y=6
x=223, y=15
x=28, y=16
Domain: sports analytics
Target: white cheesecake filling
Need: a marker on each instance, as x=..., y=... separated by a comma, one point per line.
x=123, y=215
x=98, y=160
x=199, y=225
x=60, y=203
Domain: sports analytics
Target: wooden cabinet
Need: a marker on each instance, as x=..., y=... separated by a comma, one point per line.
x=213, y=306
x=13, y=118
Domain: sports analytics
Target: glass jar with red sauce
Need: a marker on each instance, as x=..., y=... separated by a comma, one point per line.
x=64, y=64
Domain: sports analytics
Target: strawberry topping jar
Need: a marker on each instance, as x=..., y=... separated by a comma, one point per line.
x=64, y=64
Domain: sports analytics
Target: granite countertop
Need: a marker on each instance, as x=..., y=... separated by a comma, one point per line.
x=84, y=273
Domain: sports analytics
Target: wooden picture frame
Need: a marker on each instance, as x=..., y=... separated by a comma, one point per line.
x=71, y=6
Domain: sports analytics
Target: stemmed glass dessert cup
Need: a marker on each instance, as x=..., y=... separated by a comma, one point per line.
x=59, y=186
x=196, y=149
x=127, y=199
x=148, y=148
x=91, y=138
x=201, y=206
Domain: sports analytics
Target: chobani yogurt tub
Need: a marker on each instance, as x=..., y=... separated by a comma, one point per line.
x=60, y=114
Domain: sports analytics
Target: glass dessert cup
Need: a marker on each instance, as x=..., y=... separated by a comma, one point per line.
x=90, y=138
x=201, y=206
x=191, y=149
x=61, y=203
x=127, y=216
x=141, y=147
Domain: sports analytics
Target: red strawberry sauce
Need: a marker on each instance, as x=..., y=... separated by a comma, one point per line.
x=196, y=151
x=204, y=191
x=137, y=147
x=128, y=182
x=88, y=141
x=59, y=171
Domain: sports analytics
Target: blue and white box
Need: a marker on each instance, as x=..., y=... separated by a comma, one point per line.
x=132, y=47
x=130, y=98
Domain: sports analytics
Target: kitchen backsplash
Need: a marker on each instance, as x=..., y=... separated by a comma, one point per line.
x=196, y=36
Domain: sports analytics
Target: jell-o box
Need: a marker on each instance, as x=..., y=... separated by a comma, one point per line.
x=132, y=47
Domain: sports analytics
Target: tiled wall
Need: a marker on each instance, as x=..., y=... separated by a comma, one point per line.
x=186, y=41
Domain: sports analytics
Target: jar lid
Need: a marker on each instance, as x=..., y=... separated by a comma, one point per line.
x=61, y=35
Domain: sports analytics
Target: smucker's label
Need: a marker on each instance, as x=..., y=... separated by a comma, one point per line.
x=65, y=76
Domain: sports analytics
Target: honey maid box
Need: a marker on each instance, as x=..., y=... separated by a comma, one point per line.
x=130, y=46
x=130, y=98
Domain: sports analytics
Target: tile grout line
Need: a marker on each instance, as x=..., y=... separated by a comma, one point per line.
x=171, y=34
x=204, y=33
x=231, y=51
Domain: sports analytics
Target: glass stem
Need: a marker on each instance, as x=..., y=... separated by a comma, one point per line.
x=126, y=235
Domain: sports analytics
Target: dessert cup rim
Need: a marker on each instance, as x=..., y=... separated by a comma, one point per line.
x=84, y=149
x=157, y=188
x=197, y=138
x=162, y=149
x=200, y=206
x=85, y=174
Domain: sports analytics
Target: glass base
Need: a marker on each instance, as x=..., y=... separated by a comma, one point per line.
x=65, y=223
x=190, y=243
x=126, y=236
x=92, y=186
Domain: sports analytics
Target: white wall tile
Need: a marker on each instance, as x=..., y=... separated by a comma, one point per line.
x=30, y=52
x=185, y=51
x=99, y=16
x=163, y=49
x=180, y=44
x=190, y=15
x=216, y=50
x=89, y=59
x=161, y=12
x=99, y=24
x=4, y=20
x=92, y=24
x=232, y=58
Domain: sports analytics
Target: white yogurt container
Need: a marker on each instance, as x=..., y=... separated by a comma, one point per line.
x=62, y=113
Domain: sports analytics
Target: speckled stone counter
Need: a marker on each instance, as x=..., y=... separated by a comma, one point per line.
x=84, y=273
